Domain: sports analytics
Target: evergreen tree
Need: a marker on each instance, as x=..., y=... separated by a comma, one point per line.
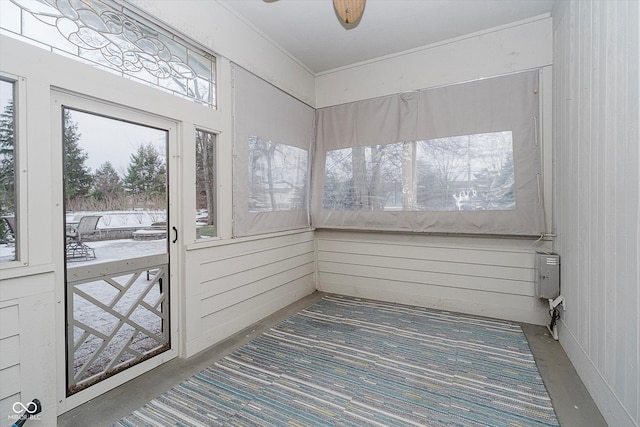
x=146, y=173
x=7, y=161
x=77, y=176
x=106, y=182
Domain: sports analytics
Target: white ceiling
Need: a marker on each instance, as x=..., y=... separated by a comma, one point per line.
x=311, y=32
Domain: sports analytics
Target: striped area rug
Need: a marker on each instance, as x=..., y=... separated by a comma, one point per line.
x=352, y=362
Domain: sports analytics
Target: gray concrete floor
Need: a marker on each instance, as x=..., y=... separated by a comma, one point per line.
x=572, y=402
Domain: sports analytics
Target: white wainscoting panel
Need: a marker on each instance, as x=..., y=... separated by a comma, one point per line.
x=9, y=355
x=234, y=284
x=483, y=276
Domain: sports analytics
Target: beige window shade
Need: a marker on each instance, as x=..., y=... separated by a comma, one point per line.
x=273, y=133
x=490, y=185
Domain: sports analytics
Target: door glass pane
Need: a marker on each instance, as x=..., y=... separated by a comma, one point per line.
x=116, y=172
x=8, y=217
x=116, y=244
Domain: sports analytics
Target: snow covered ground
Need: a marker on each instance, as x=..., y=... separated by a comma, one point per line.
x=7, y=252
x=113, y=250
x=110, y=219
x=94, y=317
x=118, y=219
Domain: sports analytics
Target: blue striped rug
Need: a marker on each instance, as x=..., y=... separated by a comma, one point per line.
x=352, y=362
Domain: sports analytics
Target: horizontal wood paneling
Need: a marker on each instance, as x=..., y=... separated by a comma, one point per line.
x=256, y=307
x=9, y=320
x=9, y=349
x=256, y=274
x=241, y=282
x=9, y=381
x=437, y=296
x=430, y=266
x=221, y=324
x=596, y=115
x=421, y=277
x=6, y=405
x=229, y=267
x=431, y=252
x=490, y=277
x=248, y=290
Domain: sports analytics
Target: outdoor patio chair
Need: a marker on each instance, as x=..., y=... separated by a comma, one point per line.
x=75, y=247
x=10, y=233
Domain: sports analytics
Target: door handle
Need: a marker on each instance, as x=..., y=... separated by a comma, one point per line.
x=175, y=230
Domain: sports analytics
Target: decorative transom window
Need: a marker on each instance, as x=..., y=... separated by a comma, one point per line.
x=113, y=37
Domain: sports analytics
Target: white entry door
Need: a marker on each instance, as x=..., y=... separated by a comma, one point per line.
x=118, y=233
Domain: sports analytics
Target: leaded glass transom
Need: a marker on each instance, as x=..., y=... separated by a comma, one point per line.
x=114, y=37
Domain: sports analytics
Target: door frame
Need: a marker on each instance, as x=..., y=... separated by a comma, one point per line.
x=60, y=98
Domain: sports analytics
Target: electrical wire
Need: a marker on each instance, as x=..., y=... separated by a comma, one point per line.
x=555, y=316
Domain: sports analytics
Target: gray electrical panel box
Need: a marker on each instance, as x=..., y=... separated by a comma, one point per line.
x=548, y=275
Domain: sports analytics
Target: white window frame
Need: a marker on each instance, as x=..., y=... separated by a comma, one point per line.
x=20, y=147
x=217, y=184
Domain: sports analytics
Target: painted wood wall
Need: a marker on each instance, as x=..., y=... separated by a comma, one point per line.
x=32, y=325
x=598, y=215
x=488, y=276
x=482, y=276
x=234, y=284
x=518, y=46
x=9, y=355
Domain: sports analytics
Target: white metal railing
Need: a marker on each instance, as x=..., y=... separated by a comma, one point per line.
x=117, y=316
